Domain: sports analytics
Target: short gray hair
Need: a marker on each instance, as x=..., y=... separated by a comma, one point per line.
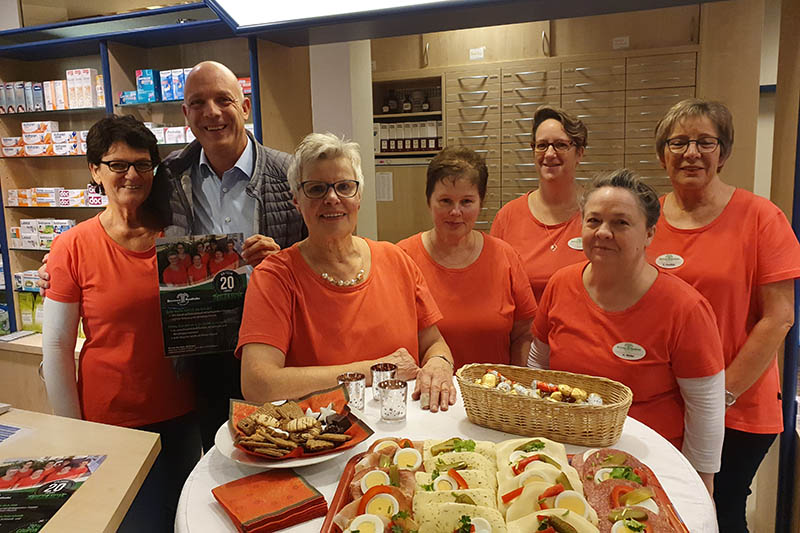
x=623, y=178
x=317, y=146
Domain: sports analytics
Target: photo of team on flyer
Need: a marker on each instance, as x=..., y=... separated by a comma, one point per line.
x=28, y=473
x=191, y=260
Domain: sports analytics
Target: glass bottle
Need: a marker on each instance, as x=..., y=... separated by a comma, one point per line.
x=426, y=105
x=393, y=107
x=407, y=104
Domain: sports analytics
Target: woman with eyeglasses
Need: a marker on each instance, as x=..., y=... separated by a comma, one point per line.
x=477, y=280
x=335, y=302
x=738, y=250
x=544, y=225
x=104, y=271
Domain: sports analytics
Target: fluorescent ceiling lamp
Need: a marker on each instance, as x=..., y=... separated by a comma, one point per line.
x=248, y=13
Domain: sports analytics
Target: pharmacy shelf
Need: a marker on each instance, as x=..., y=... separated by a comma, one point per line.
x=149, y=104
x=54, y=207
x=408, y=115
x=29, y=249
x=61, y=112
x=34, y=157
x=394, y=154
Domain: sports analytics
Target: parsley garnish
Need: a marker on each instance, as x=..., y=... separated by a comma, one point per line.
x=465, y=524
x=400, y=514
x=624, y=472
x=463, y=445
x=633, y=525
x=532, y=446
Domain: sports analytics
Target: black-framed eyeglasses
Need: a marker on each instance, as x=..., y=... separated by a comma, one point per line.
x=679, y=145
x=122, y=167
x=558, y=146
x=319, y=189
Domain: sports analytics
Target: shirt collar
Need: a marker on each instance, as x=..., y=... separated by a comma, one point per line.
x=244, y=163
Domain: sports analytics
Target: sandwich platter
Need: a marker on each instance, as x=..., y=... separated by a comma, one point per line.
x=522, y=485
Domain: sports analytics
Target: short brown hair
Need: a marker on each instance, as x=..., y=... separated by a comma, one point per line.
x=717, y=112
x=573, y=126
x=645, y=195
x=457, y=162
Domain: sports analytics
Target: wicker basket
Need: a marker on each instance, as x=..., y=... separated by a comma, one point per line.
x=585, y=425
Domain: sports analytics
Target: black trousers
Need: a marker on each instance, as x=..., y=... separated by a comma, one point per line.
x=153, y=509
x=217, y=380
x=742, y=453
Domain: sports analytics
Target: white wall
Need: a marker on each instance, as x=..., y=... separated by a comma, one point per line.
x=766, y=112
x=341, y=101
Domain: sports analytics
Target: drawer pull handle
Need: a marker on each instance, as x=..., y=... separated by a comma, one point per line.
x=475, y=92
x=528, y=73
x=475, y=107
x=534, y=88
x=646, y=145
x=646, y=129
x=520, y=104
x=523, y=119
x=522, y=134
x=474, y=122
x=473, y=136
x=581, y=100
x=485, y=77
x=523, y=149
x=584, y=84
x=481, y=151
x=40, y=370
x=524, y=164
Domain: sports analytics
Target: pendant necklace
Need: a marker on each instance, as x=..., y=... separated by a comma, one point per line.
x=553, y=245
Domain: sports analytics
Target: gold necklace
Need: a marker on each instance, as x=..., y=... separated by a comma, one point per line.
x=553, y=245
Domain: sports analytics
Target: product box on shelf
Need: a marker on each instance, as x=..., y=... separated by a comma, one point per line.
x=26, y=280
x=46, y=197
x=40, y=126
x=99, y=89
x=245, y=84
x=64, y=136
x=158, y=132
x=37, y=138
x=60, y=95
x=190, y=136
x=38, y=96
x=13, y=151
x=15, y=232
x=148, y=87
x=165, y=77
x=94, y=199
x=82, y=148
x=11, y=141
x=11, y=101
x=73, y=88
x=415, y=135
x=82, y=135
x=87, y=94
x=37, y=150
x=48, y=95
x=384, y=138
x=2, y=97
x=175, y=135
x=128, y=97
x=65, y=149
x=72, y=197
x=408, y=136
x=29, y=96
x=29, y=226
x=19, y=96
x=178, y=79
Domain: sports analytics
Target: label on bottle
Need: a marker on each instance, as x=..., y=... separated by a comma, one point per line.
x=426, y=106
x=406, y=107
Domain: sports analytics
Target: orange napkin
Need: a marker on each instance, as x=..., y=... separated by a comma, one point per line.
x=270, y=501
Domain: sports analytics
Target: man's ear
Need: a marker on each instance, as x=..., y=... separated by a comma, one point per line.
x=246, y=105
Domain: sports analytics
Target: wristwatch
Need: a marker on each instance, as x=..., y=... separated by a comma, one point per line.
x=730, y=399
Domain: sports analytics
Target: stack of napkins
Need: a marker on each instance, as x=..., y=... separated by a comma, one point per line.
x=270, y=501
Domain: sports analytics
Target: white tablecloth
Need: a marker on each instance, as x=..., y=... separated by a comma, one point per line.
x=199, y=512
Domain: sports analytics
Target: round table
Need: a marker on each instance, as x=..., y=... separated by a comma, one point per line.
x=199, y=512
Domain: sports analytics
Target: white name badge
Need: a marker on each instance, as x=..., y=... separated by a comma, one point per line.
x=629, y=351
x=576, y=243
x=669, y=261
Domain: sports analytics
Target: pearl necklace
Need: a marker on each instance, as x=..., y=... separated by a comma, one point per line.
x=343, y=282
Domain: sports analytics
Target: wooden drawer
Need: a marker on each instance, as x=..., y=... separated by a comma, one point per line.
x=494, y=196
x=517, y=125
x=512, y=194
x=640, y=146
x=654, y=97
x=646, y=113
x=482, y=140
x=519, y=183
x=640, y=130
x=487, y=214
x=605, y=130
x=491, y=154
x=517, y=154
x=600, y=115
x=518, y=169
x=663, y=63
x=590, y=85
x=517, y=137
x=599, y=100
x=483, y=225
x=531, y=92
x=601, y=163
x=531, y=74
x=493, y=181
x=652, y=80
x=472, y=79
x=605, y=147
x=458, y=111
x=593, y=68
x=477, y=97
x=644, y=162
x=473, y=127
x=526, y=108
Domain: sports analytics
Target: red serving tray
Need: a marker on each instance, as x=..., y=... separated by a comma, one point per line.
x=342, y=497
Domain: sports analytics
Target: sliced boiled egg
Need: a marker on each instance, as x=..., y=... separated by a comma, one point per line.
x=589, y=452
x=386, y=444
x=408, y=459
x=619, y=527
x=374, y=478
x=384, y=505
x=481, y=525
x=519, y=455
x=366, y=523
x=648, y=504
x=574, y=501
x=444, y=482
x=604, y=474
x=538, y=472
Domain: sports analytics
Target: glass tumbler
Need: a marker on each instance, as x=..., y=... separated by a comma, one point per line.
x=381, y=372
x=356, y=384
x=394, y=400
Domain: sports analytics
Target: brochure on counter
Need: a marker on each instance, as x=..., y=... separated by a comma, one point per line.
x=32, y=490
x=202, y=281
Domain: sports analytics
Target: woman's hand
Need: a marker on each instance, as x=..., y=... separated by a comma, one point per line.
x=435, y=389
x=407, y=368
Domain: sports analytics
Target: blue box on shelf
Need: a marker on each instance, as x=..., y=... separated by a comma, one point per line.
x=128, y=97
x=148, y=85
x=167, y=94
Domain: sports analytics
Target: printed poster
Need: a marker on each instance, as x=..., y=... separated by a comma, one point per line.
x=32, y=490
x=202, y=280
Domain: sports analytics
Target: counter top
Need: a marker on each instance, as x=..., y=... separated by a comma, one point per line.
x=32, y=344
x=99, y=504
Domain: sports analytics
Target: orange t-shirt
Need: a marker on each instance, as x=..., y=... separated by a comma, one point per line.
x=214, y=266
x=186, y=261
x=175, y=277
x=123, y=376
x=669, y=333
x=749, y=244
x=535, y=241
x=29, y=481
x=480, y=302
x=314, y=323
x=232, y=258
x=198, y=274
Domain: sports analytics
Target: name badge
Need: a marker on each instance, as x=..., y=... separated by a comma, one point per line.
x=576, y=243
x=669, y=261
x=629, y=351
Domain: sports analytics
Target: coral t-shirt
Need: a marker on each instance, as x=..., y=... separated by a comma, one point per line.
x=123, y=376
x=543, y=248
x=175, y=277
x=313, y=322
x=480, y=302
x=215, y=266
x=669, y=333
x=749, y=244
x=198, y=274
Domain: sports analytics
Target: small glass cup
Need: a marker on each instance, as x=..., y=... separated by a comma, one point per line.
x=355, y=383
x=381, y=372
x=394, y=400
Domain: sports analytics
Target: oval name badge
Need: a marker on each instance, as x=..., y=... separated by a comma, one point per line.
x=669, y=261
x=629, y=351
x=576, y=243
